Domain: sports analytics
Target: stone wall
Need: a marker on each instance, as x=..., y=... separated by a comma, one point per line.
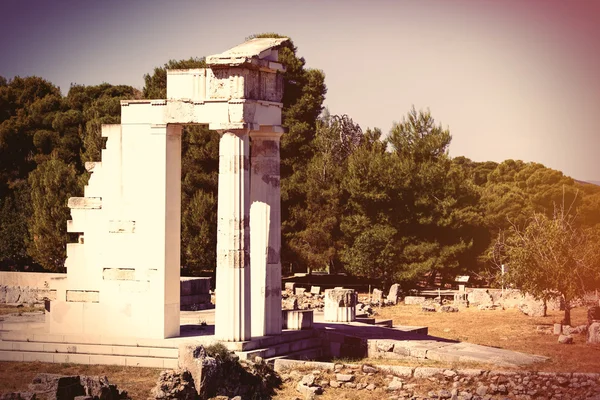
x=38, y=280
x=438, y=383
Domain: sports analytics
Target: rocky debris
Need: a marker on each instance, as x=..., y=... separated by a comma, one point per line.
x=362, y=308
x=291, y=300
x=533, y=308
x=438, y=383
x=395, y=384
x=480, y=296
x=427, y=307
x=215, y=371
x=201, y=366
x=577, y=330
x=565, y=339
x=62, y=387
x=448, y=309
x=290, y=286
x=308, y=387
x=174, y=384
x=593, y=336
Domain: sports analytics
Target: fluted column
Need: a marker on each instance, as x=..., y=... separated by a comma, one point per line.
x=265, y=230
x=232, y=313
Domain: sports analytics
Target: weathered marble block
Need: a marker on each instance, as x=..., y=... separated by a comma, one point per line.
x=297, y=319
x=340, y=305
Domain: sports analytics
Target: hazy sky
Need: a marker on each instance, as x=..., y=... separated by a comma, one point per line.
x=513, y=79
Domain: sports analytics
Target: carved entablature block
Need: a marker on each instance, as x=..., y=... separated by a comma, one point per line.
x=250, y=71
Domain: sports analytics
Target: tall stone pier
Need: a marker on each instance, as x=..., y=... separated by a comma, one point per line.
x=232, y=318
x=265, y=225
x=125, y=266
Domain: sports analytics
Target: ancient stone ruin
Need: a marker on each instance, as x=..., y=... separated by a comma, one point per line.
x=125, y=267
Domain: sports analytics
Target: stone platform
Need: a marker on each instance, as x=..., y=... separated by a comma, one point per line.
x=25, y=338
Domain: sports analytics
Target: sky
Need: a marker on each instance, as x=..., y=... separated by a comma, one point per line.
x=510, y=79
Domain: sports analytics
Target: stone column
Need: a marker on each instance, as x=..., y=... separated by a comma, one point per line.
x=232, y=313
x=265, y=228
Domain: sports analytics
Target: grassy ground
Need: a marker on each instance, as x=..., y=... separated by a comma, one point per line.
x=15, y=376
x=508, y=329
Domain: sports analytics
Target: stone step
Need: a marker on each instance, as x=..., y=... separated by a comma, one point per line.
x=281, y=349
x=41, y=337
x=96, y=349
x=268, y=341
x=87, y=349
x=312, y=353
x=91, y=359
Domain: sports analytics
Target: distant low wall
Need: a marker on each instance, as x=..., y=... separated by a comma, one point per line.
x=38, y=280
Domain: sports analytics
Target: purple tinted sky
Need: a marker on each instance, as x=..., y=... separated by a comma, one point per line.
x=511, y=79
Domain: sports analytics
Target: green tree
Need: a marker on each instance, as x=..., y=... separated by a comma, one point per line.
x=368, y=224
x=14, y=235
x=412, y=206
x=551, y=255
x=316, y=237
x=200, y=155
x=52, y=183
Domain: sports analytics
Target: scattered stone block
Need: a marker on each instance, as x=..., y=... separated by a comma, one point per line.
x=344, y=377
x=340, y=305
x=393, y=294
x=480, y=296
x=174, y=384
x=315, y=289
x=377, y=296
x=448, y=309
x=565, y=339
x=428, y=308
x=297, y=319
x=557, y=329
x=57, y=386
x=395, y=384
x=202, y=369
x=300, y=291
x=594, y=333
x=290, y=286
x=533, y=308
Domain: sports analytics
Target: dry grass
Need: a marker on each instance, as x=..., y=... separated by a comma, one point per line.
x=506, y=329
x=16, y=376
